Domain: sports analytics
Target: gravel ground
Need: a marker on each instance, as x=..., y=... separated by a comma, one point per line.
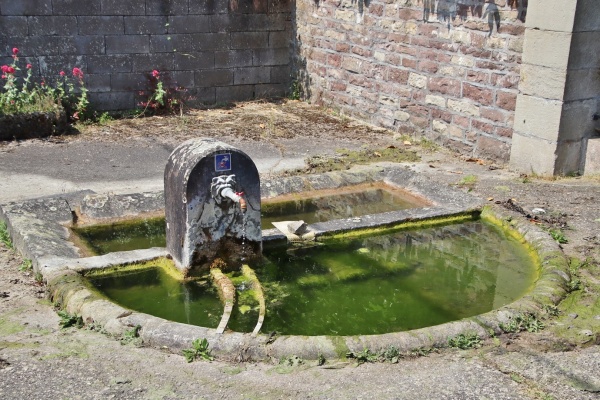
x=39, y=360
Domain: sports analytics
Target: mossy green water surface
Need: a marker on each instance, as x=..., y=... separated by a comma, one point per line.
x=367, y=285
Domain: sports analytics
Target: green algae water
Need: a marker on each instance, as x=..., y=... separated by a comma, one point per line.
x=384, y=283
x=311, y=207
x=123, y=235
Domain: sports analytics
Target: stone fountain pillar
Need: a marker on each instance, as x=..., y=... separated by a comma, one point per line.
x=212, y=205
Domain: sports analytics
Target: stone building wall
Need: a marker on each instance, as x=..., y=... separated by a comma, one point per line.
x=218, y=50
x=430, y=66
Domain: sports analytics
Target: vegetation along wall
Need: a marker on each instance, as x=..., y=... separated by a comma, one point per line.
x=217, y=50
x=446, y=68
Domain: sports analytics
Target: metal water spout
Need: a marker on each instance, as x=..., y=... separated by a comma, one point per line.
x=224, y=187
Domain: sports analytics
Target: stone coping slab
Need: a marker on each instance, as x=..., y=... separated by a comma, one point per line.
x=39, y=230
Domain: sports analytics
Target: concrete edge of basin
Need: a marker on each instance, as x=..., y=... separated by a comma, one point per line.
x=68, y=288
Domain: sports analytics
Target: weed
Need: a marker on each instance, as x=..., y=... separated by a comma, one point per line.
x=362, y=357
x=293, y=361
x=465, y=341
x=26, y=265
x=391, y=354
x=295, y=91
x=132, y=335
x=422, y=351
x=67, y=320
x=39, y=278
x=321, y=359
x=105, y=118
x=523, y=322
x=4, y=236
x=468, y=181
x=199, y=350
x=517, y=378
x=551, y=310
x=428, y=145
x=558, y=235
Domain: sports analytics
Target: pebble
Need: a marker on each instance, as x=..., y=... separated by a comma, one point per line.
x=573, y=315
x=586, y=332
x=538, y=210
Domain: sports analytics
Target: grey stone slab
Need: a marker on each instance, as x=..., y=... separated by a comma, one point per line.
x=128, y=44
x=208, y=7
x=234, y=93
x=233, y=58
x=14, y=26
x=166, y=7
x=29, y=7
x=52, y=25
x=145, y=25
x=270, y=57
x=120, y=7
x=195, y=60
x=101, y=25
x=211, y=78
x=76, y=7
x=249, y=40
x=251, y=75
x=82, y=45
x=189, y=24
x=113, y=63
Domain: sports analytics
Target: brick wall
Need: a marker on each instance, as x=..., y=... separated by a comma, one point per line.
x=219, y=50
x=417, y=66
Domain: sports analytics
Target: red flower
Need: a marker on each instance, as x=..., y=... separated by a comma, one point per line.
x=4, y=68
x=62, y=73
x=28, y=66
x=15, y=51
x=10, y=70
x=3, y=76
x=77, y=73
x=155, y=73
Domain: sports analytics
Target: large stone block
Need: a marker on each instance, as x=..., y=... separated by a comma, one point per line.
x=14, y=26
x=282, y=74
x=194, y=61
x=582, y=84
x=189, y=24
x=537, y=117
x=33, y=46
x=233, y=58
x=168, y=7
x=270, y=90
x=210, y=7
x=212, y=78
x=548, y=83
x=122, y=7
x=75, y=7
x=82, y=45
x=577, y=120
x=592, y=157
x=249, y=40
x=127, y=44
x=52, y=25
x=547, y=48
x=554, y=15
x=145, y=25
x=113, y=100
x=245, y=76
x=585, y=49
x=28, y=7
x=269, y=57
x=106, y=64
x=145, y=63
x=50, y=66
x=587, y=17
x=234, y=93
x=130, y=82
x=569, y=158
x=532, y=155
x=101, y=25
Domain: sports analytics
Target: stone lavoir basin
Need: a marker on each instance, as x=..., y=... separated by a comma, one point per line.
x=407, y=277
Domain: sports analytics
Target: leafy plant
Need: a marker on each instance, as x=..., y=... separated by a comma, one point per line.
x=391, y=354
x=465, y=341
x=67, y=320
x=199, y=350
x=468, y=181
x=321, y=359
x=558, y=235
x=4, y=236
x=295, y=91
x=362, y=357
x=132, y=335
x=162, y=98
x=26, y=265
x=292, y=361
x=522, y=322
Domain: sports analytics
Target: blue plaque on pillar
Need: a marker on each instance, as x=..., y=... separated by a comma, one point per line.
x=223, y=162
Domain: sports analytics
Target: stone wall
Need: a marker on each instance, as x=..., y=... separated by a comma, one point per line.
x=425, y=66
x=218, y=50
